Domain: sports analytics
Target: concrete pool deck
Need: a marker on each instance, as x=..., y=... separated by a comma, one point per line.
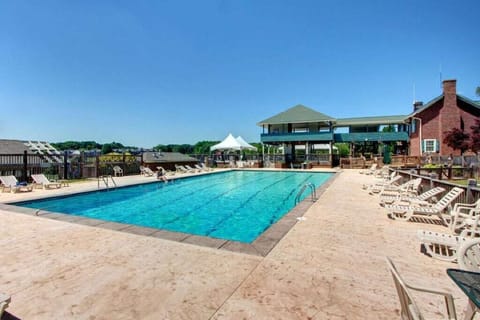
x=331, y=265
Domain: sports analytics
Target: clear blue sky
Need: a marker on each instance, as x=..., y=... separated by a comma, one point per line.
x=157, y=72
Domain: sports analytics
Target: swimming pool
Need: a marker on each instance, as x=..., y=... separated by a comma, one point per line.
x=234, y=205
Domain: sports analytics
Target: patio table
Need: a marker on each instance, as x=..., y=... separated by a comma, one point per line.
x=469, y=283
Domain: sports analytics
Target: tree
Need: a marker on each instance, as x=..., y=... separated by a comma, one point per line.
x=203, y=147
x=457, y=140
x=475, y=137
x=107, y=148
x=477, y=91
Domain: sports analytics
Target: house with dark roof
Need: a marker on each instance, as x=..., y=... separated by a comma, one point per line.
x=421, y=132
x=167, y=160
x=430, y=122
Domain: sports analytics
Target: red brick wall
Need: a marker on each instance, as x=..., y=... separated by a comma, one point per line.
x=430, y=127
x=444, y=115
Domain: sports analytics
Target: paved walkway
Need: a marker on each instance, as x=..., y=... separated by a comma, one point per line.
x=329, y=266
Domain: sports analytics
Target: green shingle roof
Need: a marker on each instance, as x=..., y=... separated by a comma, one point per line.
x=371, y=120
x=297, y=114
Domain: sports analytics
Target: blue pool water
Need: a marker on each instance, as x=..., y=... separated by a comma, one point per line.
x=235, y=205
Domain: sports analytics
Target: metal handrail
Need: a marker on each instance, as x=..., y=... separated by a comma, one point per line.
x=105, y=180
x=303, y=188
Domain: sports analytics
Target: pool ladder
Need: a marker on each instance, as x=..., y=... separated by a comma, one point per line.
x=106, y=180
x=310, y=186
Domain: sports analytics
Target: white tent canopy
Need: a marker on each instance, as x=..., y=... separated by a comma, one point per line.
x=230, y=143
x=245, y=144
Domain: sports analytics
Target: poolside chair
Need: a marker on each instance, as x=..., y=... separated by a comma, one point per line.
x=11, y=184
x=441, y=246
x=408, y=187
x=117, y=171
x=200, y=169
x=421, y=199
x=408, y=307
x=191, y=169
x=146, y=171
x=463, y=214
x=4, y=302
x=406, y=212
x=183, y=169
x=41, y=180
x=468, y=255
x=165, y=172
x=370, y=170
x=380, y=186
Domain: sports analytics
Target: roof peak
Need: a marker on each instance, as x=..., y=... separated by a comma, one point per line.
x=297, y=114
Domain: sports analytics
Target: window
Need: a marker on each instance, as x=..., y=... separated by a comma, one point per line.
x=430, y=145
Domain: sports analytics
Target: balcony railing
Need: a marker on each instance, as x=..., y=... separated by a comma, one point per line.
x=337, y=137
x=296, y=136
x=371, y=136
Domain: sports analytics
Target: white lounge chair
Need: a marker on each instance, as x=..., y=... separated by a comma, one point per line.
x=370, y=170
x=463, y=214
x=409, y=187
x=440, y=246
x=191, y=169
x=41, y=180
x=117, y=171
x=10, y=184
x=183, y=169
x=166, y=172
x=408, y=307
x=380, y=186
x=406, y=212
x=405, y=198
x=468, y=255
x=4, y=302
x=146, y=171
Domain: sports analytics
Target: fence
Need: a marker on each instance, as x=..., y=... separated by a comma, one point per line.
x=470, y=195
x=24, y=165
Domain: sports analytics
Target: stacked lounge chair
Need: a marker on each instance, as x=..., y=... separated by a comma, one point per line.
x=421, y=199
x=406, y=212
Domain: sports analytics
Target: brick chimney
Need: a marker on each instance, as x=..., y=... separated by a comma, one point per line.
x=450, y=87
x=450, y=97
x=417, y=105
x=449, y=113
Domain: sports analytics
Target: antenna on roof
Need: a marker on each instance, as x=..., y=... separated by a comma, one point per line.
x=440, y=75
x=414, y=98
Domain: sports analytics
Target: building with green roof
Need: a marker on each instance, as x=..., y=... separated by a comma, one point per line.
x=302, y=132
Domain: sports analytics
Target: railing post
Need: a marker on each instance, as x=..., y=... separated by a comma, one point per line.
x=97, y=160
x=123, y=163
x=65, y=164
x=81, y=163
x=25, y=166
x=471, y=183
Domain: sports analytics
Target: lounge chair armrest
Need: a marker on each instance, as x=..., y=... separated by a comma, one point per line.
x=459, y=206
x=448, y=298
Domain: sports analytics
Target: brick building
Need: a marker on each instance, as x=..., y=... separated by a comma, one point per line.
x=431, y=121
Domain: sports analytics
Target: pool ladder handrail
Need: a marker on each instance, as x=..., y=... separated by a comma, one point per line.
x=105, y=180
x=303, y=188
